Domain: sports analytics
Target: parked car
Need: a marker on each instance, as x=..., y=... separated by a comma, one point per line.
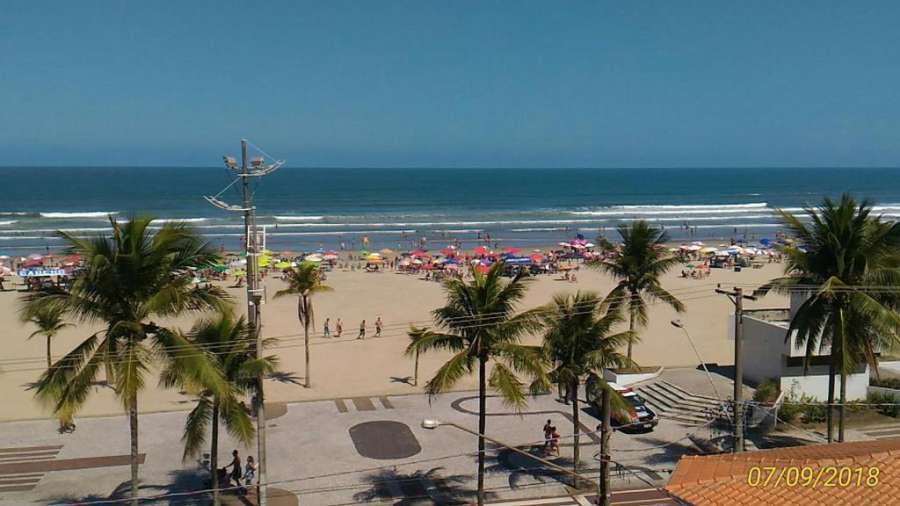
x=636, y=416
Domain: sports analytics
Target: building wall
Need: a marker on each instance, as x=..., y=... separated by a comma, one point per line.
x=763, y=347
x=815, y=383
x=764, y=355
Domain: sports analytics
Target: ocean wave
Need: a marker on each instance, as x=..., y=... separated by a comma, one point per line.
x=298, y=218
x=752, y=205
x=714, y=218
x=10, y=222
x=543, y=229
x=85, y=214
x=661, y=212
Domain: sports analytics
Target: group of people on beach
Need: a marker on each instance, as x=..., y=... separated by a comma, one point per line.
x=339, y=328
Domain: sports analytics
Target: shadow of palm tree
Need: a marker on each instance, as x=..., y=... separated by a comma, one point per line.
x=286, y=377
x=404, y=379
x=181, y=481
x=668, y=454
x=418, y=487
x=520, y=467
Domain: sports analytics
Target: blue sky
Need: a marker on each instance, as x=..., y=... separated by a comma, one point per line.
x=452, y=84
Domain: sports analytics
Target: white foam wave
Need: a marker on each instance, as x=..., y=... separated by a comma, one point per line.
x=299, y=218
x=10, y=222
x=541, y=229
x=756, y=205
x=86, y=214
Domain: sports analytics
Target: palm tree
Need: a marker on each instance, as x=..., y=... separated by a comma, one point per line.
x=842, y=250
x=479, y=325
x=304, y=282
x=230, y=345
x=49, y=321
x=580, y=341
x=416, y=333
x=131, y=277
x=638, y=265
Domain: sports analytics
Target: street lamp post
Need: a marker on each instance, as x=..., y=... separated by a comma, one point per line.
x=678, y=324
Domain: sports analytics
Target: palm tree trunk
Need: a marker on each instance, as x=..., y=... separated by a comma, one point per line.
x=416, y=370
x=604, y=448
x=48, y=352
x=842, y=406
x=482, y=401
x=631, y=331
x=829, y=411
x=302, y=303
x=214, y=452
x=133, y=425
x=576, y=452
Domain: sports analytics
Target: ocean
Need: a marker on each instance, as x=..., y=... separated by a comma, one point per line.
x=306, y=209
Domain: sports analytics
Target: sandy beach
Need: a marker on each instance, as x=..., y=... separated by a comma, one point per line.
x=347, y=367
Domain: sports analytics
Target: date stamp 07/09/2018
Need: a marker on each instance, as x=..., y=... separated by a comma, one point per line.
x=813, y=477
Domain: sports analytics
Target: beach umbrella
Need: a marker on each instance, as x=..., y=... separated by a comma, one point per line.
x=405, y=262
x=314, y=258
x=419, y=253
x=589, y=245
x=707, y=250
x=330, y=256
x=283, y=265
x=480, y=250
x=536, y=257
x=429, y=266
x=417, y=262
x=449, y=251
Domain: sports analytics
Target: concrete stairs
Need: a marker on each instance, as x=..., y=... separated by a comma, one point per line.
x=671, y=402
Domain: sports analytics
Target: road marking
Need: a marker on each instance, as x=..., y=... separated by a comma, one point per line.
x=341, y=407
x=363, y=404
x=386, y=403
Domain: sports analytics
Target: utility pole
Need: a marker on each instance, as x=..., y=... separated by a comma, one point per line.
x=737, y=298
x=255, y=168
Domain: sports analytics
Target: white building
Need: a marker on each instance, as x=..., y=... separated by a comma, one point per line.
x=767, y=355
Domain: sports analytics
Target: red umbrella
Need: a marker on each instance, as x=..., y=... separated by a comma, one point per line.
x=448, y=252
x=35, y=262
x=536, y=257
x=419, y=253
x=480, y=250
x=428, y=267
x=512, y=250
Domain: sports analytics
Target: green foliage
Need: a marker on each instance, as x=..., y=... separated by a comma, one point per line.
x=806, y=408
x=131, y=277
x=637, y=265
x=479, y=323
x=885, y=383
x=888, y=404
x=767, y=391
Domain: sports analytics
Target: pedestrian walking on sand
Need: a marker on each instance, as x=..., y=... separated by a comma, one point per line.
x=378, y=326
x=362, y=330
x=326, y=331
x=339, y=328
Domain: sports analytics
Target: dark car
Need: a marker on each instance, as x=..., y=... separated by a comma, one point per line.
x=636, y=415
